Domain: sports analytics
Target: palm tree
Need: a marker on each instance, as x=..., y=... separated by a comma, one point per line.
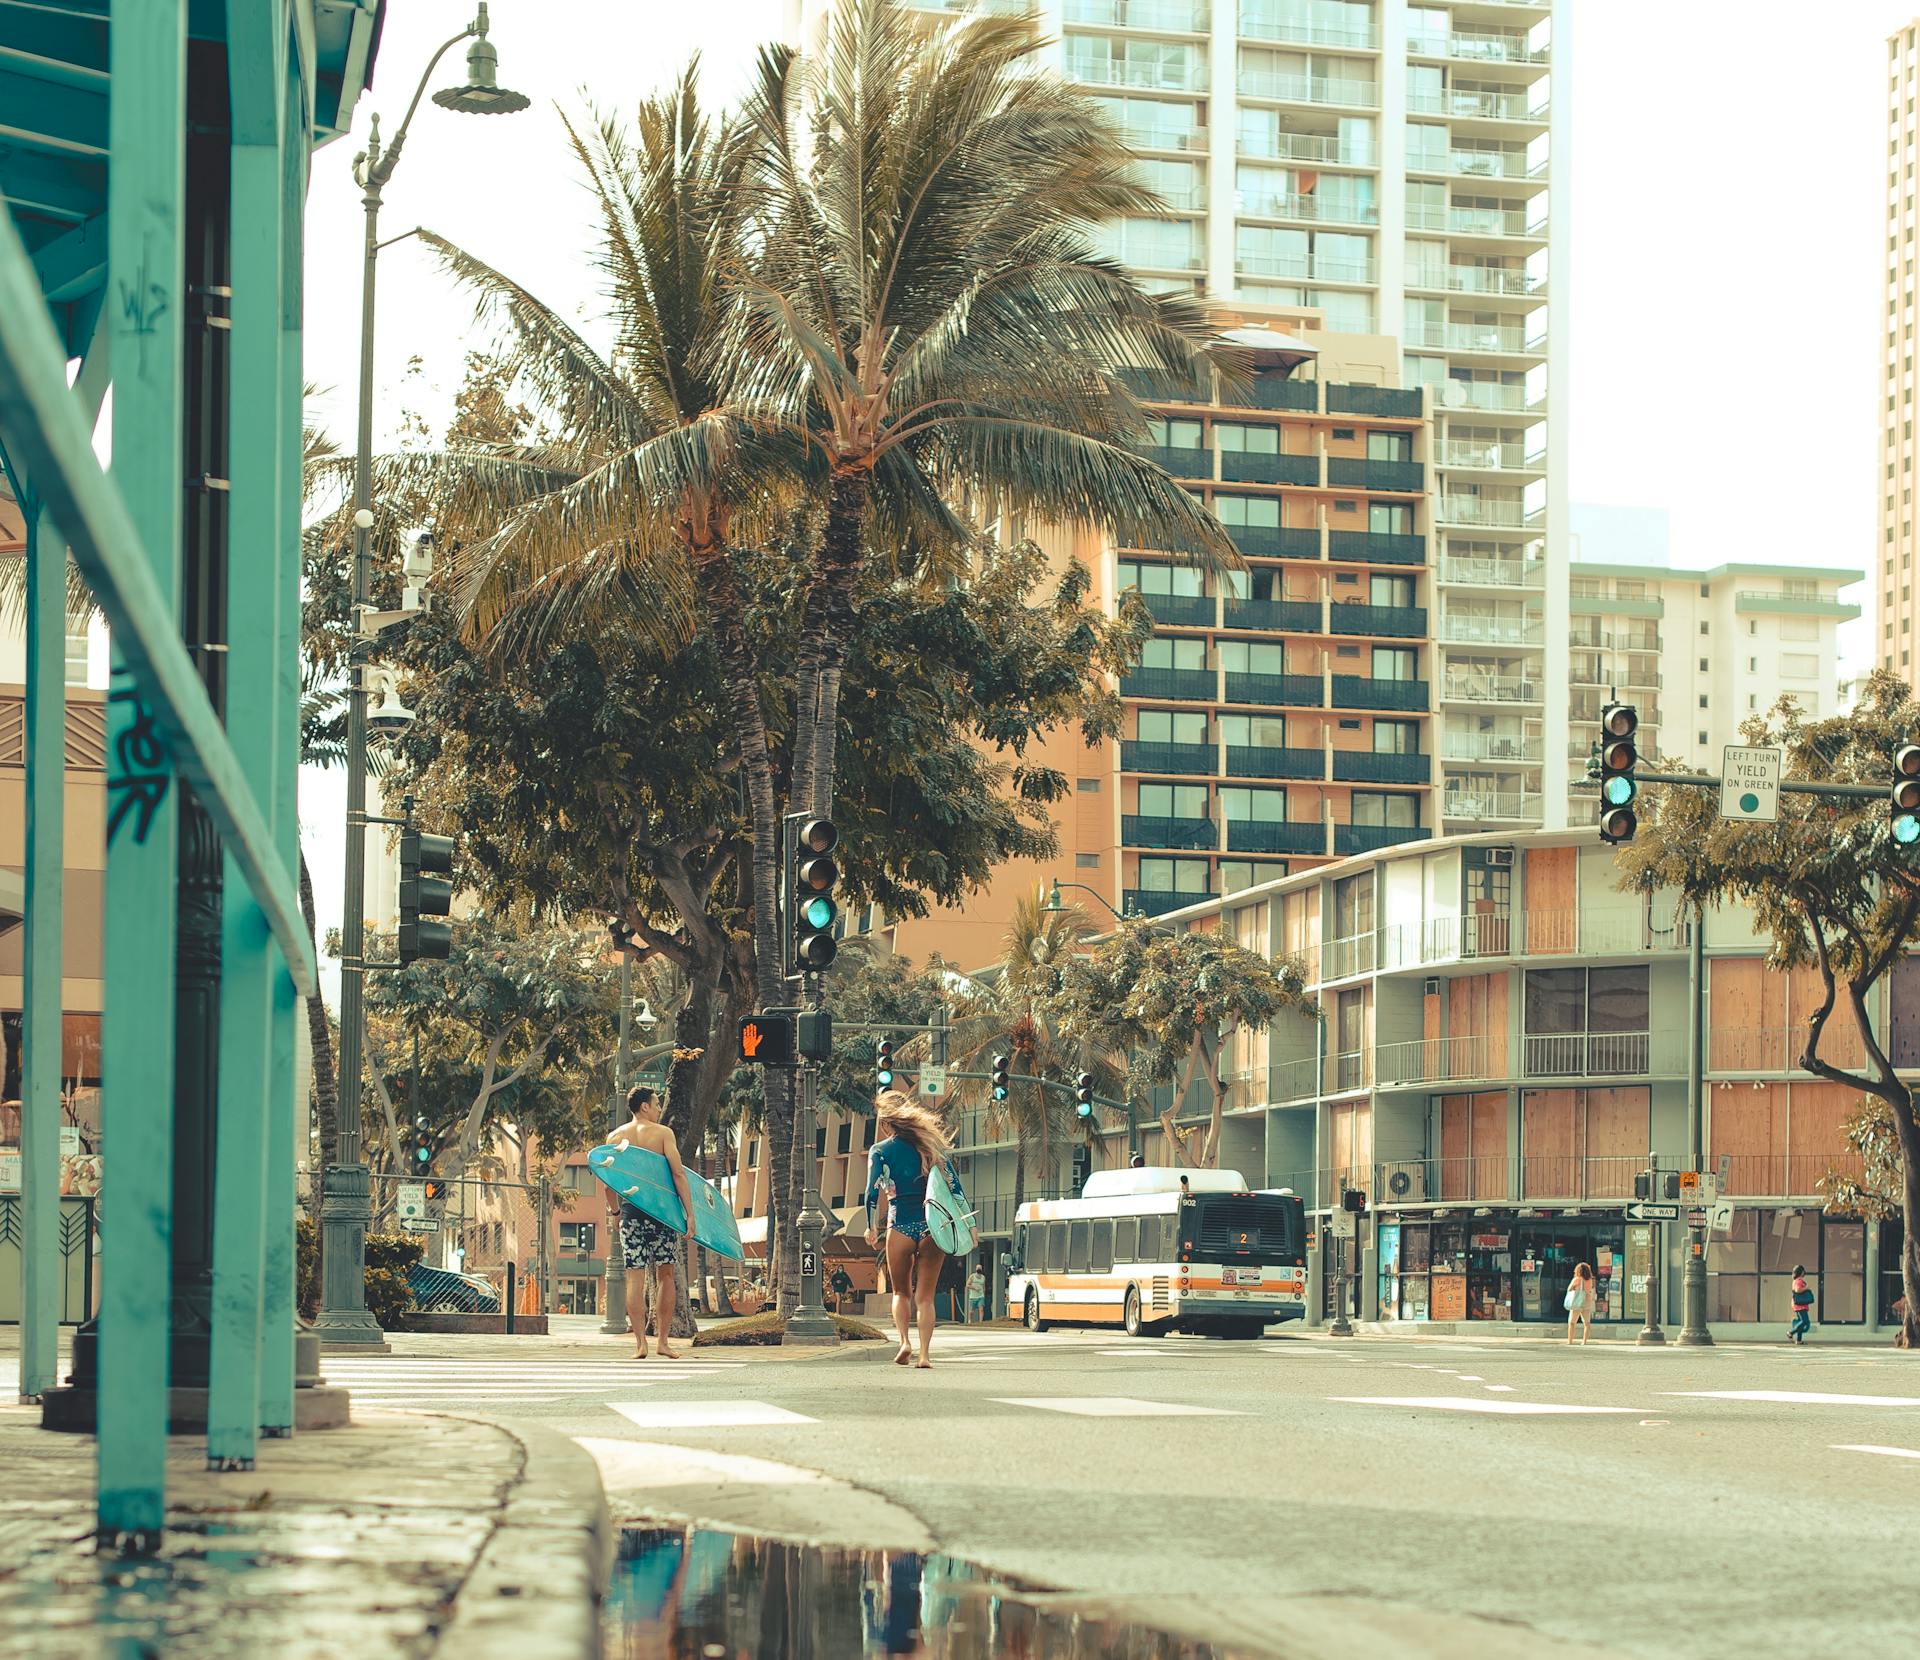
x=931, y=320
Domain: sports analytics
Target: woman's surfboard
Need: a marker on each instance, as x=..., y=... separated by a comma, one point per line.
x=644, y=1179
x=949, y=1217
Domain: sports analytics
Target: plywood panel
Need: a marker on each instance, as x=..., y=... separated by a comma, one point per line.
x=1840, y=1040
x=1747, y=1125
x=1903, y=1006
x=1477, y=1006
x=1363, y=1138
x=1816, y=1118
x=1552, y=893
x=1747, y=1016
x=1488, y=1146
x=1617, y=1131
x=1455, y=1116
x=1550, y=1142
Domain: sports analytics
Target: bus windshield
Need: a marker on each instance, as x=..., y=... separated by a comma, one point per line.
x=1246, y=1227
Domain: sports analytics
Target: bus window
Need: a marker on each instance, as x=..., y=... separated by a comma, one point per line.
x=1150, y=1230
x=1102, y=1246
x=1020, y=1243
x=1056, y=1247
x=1126, y=1240
x=1076, y=1247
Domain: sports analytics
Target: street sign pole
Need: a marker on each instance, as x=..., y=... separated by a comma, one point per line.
x=810, y=1323
x=1651, y=1333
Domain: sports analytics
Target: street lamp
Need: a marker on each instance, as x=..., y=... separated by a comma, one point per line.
x=1055, y=906
x=346, y=1208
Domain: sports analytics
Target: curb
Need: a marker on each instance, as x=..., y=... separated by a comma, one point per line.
x=535, y=1590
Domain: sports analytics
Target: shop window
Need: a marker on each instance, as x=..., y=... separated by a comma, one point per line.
x=1750, y=1268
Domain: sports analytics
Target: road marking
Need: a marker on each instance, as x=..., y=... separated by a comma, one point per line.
x=1797, y=1397
x=705, y=1414
x=1501, y=1388
x=1112, y=1406
x=651, y=1464
x=1474, y=1403
x=1885, y=1452
x=1469, y=1377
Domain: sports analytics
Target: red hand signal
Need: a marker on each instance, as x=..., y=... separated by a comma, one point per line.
x=749, y=1040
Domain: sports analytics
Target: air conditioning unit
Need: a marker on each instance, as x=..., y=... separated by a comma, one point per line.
x=1500, y=856
x=1408, y=1185
x=1433, y=985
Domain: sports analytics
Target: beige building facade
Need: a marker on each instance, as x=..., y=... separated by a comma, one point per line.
x=1895, y=611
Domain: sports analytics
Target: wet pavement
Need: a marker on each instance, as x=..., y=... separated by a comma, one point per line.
x=694, y=1593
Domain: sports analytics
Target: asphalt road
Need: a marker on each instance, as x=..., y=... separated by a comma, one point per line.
x=1417, y=1497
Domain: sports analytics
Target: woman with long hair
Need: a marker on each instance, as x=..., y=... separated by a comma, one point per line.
x=910, y=1142
x=1581, y=1296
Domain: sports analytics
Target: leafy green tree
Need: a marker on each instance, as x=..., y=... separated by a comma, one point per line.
x=870, y=985
x=1172, y=1002
x=1830, y=888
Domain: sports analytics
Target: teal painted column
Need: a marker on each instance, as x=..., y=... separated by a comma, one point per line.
x=46, y=742
x=258, y=552
x=144, y=312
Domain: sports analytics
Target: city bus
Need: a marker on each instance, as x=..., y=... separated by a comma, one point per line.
x=1160, y=1249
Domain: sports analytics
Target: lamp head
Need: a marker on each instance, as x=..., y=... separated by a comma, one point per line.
x=482, y=95
x=1053, y=898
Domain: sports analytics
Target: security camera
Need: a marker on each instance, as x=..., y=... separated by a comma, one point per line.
x=389, y=717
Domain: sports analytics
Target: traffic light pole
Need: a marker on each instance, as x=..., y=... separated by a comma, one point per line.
x=810, y=1323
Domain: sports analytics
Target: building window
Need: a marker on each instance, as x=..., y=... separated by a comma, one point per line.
x=1174, y=876
x=1086, y=861
x=1170, y=726
x=1585, y=1022
x=1750, y=1269
x=1703, y=628
x=1395, y=663
x=1236, y=874
x=1703, y=700
x=1703, y=737
x=1703, y=665
x=1173, y=801
x=1799, y=665
x=1089, y=786
x=1378, y=808
x=1263, y=806
x=1396, y=737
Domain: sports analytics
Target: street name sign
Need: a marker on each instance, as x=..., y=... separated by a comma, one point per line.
x=1642, y=1212
x=933, y=1078
x=1750, y=783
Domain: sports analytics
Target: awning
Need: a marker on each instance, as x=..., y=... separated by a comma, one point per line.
x=13, y=899
x=1271, y=345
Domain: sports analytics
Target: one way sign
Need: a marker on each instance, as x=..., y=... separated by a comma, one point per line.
x=1641, y=1212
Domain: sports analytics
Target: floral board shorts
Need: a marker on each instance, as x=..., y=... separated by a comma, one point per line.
x=909, y=1230
x=645, y=1243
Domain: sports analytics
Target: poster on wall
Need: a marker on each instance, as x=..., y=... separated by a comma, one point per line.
x=1449, y=1297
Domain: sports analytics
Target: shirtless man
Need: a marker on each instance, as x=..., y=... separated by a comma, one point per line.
x=649, y=1248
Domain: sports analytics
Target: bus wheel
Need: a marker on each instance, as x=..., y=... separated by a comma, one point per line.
x=1136, y=1327
x=1033, y=1320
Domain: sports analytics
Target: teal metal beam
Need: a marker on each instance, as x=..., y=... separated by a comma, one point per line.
x=73, y=263
x=55, y=119
x=46, y=435
x=138, y=584
x=53, y=187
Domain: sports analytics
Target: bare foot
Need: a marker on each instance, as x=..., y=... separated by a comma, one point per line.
x=904, y=1356
x=923, y=1364
x=667, y=1354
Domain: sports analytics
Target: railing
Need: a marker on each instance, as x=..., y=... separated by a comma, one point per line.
x=1259, y=835
x=1283, y=392
x=1181, y=460
x=1308, y=89
x=1305, y=691
x=1343, y=958
x=1560, y=933
x=1150, y=386
x=1478, y=337
x=1193, y=140
x=1331, y=210
x=1490, y=222
x=1359, y=472
x=1493, y=746
x=1494, y=396
x=1257, y=139
x=1370, y=838
x=1644, y=639
x=1319, y=269
x=1445, y=939
x=1479, y=46
x=1142, y=756
x=76, y=1230
x=1157, y=75
x=1172, y=16
x=1495, y=806
x=1182, y=610
x=1350, y=1069
x=1586, y=1054
x=1481, y=106
x=1157, y=901
x=1253, y=26
x=1388, y=621
x=1493, y=573
x=1401, y=401
x=1293, y=1080
x=1186, y=685
x=1480, y=510
x=1360, y=691
x=1473, y=164
x=1377, y=547
x=1477, y=279
x=1276, y=541
x=1489, y=688
x=1492, y=458
x=1778, y=1049
x=1147, y=830
x=1360, y=766
x=1464, y=628
x=1438, y=1060
x=1293, y=616
x=1260, y=761
x=1260, y=467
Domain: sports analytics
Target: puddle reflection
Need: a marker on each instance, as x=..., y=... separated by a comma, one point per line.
x=702, y=1594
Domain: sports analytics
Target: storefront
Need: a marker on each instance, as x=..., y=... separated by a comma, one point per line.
x=1750, y=1269
x=1508, y=1266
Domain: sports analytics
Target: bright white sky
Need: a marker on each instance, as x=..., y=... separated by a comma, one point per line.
x=1727, y=200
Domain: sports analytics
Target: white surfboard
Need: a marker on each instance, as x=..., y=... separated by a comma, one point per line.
x=950, y=1221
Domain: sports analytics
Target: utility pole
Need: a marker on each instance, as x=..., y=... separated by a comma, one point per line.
x=1693, y=1331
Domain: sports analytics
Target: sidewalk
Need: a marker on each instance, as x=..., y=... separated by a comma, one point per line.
x=404, y=1535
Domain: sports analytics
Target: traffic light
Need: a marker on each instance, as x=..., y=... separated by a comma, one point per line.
x=1082, y=1168
x=1905, y=794
x=426, y=895
x=1083, y=1095
x=812, y=878
x=883, y=1064
x=813, y=1034
x=1618, y=757
x=999, y=1077
x=422, y=1144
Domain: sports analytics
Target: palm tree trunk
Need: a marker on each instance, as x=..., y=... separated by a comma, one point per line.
x=326, y=1086
x=826, y=632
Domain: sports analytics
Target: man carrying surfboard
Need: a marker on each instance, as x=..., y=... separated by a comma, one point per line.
x=927, y=1215
x=648, y=1247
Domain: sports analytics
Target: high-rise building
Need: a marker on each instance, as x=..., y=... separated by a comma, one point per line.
x=1894, y=646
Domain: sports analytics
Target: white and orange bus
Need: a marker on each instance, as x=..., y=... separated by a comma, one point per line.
x=1159, y=1249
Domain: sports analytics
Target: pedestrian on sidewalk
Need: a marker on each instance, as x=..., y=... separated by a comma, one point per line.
x=1802, y=1306
x=977, y=1295
x=911, y=1143
x=1579, y=1302
x=841, y=1285
x=649, y=1248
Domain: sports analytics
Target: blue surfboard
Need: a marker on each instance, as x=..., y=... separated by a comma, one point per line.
x=644, y=1179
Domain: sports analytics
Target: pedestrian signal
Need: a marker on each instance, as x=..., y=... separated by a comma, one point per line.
x=767, y=1040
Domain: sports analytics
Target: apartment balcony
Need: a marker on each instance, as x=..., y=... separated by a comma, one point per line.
x=1589, y=673
x=1360, y=766
x=1458, y=629
x=1582, y=638
x=1796, y=605
x=1489, y=688
x=1360, y=691
x=1299, y=691
x=1258, y=467
x=1156, y=76
x=1156, y=901
x=1190, y=141
x=1311, y=209
x=1477, y=511
x=1289, y=616
x=1323, y=149
x=1343, y=958
x=1480, y=337
x=1461, y=105
x=1183, y=17
x=1298, y=268
x=1492, y=746
x=1277, y=392
x=1140, y=830
x=1478, y=164
x=1276, y=541
x=1478, y=279
x=1589, y=1055
x=1403, y=622
x=1493, y=397
x=1395, y=401
x=1151, y=386
x=1494, y=806
x=1377, y=547
x=1182, y=610
x=1255, y=26
x=1468, y=455
x=1478, y=46
x=1263, y=761
x=1181, y=460
x=1256, y=835
x=1441, y=1060
x=1309, y=89
x=1497, y=222
x=1358, y=472
x=1190, y=760
x=1178, y=685
x=1370, y=838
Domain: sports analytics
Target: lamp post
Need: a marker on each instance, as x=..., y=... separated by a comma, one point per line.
x=345, y=1207
x=1055, y=905
x=616, y=1321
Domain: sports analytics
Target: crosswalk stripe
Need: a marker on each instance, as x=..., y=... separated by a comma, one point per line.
x=706, y=1414
x=1796, y=1397
x=1475, y=1403
x=1885, y=1452
x=1113, y=1406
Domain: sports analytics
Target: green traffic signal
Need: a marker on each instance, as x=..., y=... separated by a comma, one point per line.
x=1906, y=829
x=818, y=912
x=1618, y=791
